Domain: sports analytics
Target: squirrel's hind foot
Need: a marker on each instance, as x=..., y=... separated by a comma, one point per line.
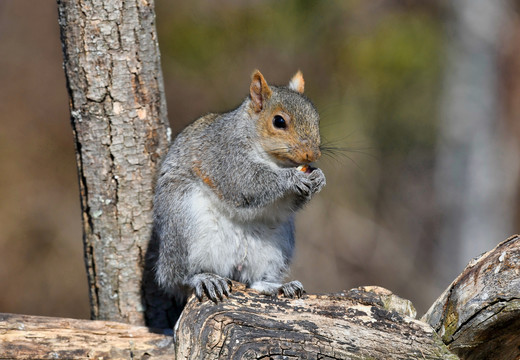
x=214, y=286
x=291, y=289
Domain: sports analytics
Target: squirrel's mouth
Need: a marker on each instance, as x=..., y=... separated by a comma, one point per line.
x=287, y=162
x=306, y=168
x=291, y=157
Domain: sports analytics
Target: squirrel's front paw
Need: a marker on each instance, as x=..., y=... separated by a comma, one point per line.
x=318, y=180
x=214, y=286
x=303, y=184
x=310, y=183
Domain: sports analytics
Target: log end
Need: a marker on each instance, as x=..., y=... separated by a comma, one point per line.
x=478, y=316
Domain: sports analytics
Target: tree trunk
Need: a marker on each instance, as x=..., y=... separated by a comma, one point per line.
x=118, y=115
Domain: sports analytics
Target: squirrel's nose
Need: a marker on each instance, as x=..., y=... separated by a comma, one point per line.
x=312, y=153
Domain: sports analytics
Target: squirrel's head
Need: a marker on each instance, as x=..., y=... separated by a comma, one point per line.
x=287, y=122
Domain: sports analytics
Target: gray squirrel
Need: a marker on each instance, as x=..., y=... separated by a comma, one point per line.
x=227, y=192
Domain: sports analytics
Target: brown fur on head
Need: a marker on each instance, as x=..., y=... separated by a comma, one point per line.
x=287, y=122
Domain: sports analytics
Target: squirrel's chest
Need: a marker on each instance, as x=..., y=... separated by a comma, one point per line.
x=245, y=251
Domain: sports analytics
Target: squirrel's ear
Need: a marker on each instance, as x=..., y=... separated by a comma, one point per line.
x=259, y=91
x=297, y=83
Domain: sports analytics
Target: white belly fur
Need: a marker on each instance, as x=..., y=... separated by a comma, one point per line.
x=245, y=251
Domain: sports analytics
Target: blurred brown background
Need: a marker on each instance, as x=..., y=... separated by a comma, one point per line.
x=420, y=100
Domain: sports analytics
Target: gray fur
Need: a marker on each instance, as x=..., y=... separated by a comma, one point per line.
x=240, y=224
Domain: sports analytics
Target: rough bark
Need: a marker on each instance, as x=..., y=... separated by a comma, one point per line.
x=359, y=324
x=478, y=316
x=37, y=337
x=118, y=115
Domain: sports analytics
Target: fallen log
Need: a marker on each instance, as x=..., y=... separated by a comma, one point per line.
x=362, y=323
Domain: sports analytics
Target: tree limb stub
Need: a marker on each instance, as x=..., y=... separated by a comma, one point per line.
x=478, y=316
x=38, y=337
x=353, y=325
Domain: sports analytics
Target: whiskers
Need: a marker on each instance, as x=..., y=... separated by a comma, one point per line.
x=333, y=150
x=329, y=149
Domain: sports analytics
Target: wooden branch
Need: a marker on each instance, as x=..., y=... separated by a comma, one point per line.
x=35, y=337
x=478, y=316
x=350, y=325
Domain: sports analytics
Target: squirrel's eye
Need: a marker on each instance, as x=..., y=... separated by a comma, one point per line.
x=279, y=122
